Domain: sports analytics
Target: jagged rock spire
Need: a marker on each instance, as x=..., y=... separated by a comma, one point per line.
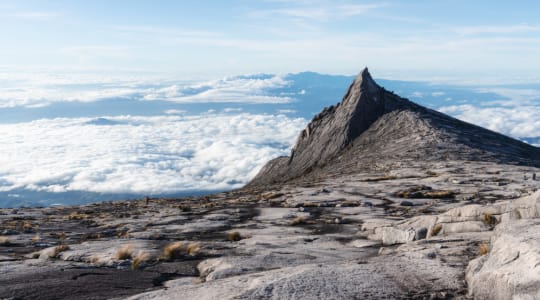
x=335, y=127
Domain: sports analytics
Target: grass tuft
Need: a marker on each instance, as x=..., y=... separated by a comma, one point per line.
x=173, y=251
x=423, y=191
x=298, y=221
x=4, y=241
x=439, y=194
x=76, y=216
x=489, y=219
x=483, y=249
x=139, y=259
x=36, y=239
x=28, y=227
x=234, y=236
x=193, y=249
x=59, y=249
x=125, y=252
x=436, y=229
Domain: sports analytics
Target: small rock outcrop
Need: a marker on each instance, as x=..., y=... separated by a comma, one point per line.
x=373, y=124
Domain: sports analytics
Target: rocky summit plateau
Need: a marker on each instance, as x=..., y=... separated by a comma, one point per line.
x=380, y=198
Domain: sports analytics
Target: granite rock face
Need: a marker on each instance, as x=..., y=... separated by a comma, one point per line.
x=510, y=270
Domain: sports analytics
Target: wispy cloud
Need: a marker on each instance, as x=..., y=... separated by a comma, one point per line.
x=33, y=15
x=496, y=29
x=316, y=10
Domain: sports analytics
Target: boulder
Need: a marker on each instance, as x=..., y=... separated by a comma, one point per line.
x=391, y=235
x=510, y=270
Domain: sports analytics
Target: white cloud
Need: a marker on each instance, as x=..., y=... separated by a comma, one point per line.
x=175, y=112
x=41, y=90
x=417, y=94
x=231, y=109
x=493, y=29
x=33, y=15
x=147, y=155
x=286, y=111
x=517, y=96
x=519, y=121
x=316, y=10
x=234, y=89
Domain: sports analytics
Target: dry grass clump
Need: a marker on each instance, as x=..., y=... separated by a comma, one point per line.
x=173, y=251
x=60, y=236
x=349, y=203
x=423, y=191
x=269, y=196
x=234, y=236
x=76, y=216
x=439, y=194
x=58, y=250
x=28, y=227
x=193, y=249
x=91, y=236
x=36, y=239
x=139, y=259
x=489, y=219
x=298, y=221
x=432, y=174
x=123, y=234
x=125, y=252
x=177, y=250
x=436, y=229
x=483, y=249
x=94, y=260
x=4, y=241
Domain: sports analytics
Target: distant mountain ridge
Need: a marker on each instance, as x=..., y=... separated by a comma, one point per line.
x=371, y=124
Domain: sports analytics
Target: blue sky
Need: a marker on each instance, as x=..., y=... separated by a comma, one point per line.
x=398, y=39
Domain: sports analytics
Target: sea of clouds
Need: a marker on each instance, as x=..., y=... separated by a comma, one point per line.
x=141, y=155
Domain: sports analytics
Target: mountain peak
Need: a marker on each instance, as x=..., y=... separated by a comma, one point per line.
x=365, y=80
x=362, y=83
x=371, y=123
